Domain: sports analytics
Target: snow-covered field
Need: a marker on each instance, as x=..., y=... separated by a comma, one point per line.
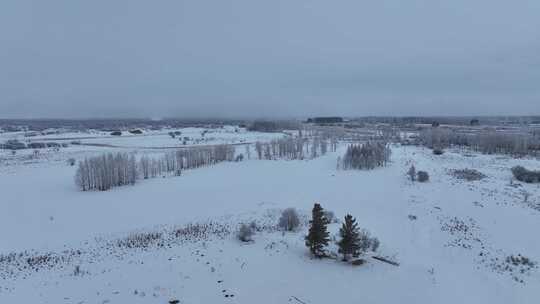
x=450, y=237
x=151, y=138
x=94, y=142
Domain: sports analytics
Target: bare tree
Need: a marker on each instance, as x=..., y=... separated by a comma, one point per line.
x=245, y=233
x=289, y=220
x=412, y=173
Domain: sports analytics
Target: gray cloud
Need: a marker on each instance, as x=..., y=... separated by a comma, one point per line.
x=100, y=58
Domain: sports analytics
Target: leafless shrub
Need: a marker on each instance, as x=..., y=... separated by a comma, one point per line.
x=438, y=151
x=520, y=260
x=289, y=220
x=422, y=176
x=467, y=174
x=330, y=216
x=524, y=175
x=526, y=196
x=79, y=272
x=245, y=233
x=358, y=262
x=367, y=242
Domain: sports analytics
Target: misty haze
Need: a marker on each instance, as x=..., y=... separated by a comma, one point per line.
x=246, y=151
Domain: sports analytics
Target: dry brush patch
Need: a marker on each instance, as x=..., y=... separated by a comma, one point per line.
x=22, y=264
x=467, y=235
x=467, y=174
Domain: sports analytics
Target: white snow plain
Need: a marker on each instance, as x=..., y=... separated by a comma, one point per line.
x=454, y=251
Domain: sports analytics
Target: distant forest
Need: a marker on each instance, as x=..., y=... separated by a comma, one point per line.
x=112, y=124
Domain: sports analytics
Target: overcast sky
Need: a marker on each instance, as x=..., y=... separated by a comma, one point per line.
x=271, y=58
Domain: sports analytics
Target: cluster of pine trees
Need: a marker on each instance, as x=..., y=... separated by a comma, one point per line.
x=365, y=156
x=114, y=170
x=294, y=148
x=352, y=243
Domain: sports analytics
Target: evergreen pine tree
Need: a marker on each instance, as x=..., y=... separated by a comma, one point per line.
x=317, y=237
x=350, y=240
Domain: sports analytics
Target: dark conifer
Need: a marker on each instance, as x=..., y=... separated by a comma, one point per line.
x=317, y=237
x=350, y=238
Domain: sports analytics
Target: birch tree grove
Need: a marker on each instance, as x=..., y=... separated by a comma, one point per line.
x=106, y=171
x=293, y=148
x=485, y=141
x=365, y=156
x=113, y=170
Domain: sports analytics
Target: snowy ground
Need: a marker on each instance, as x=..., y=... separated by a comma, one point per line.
x=451, y=237
x=151, y=139
x=94, y=142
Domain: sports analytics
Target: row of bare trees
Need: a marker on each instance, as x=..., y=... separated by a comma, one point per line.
x=485, y=141
x=294, y=148
x=106, y=171
x=273, y=126
x=184, y=159
x=365, y=156
x=113, y=170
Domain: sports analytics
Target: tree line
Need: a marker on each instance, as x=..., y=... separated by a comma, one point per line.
x=365, y=156
x=118, y=169
x=295, y=148
x=177, y=161
x=487, y=142
x=106, y=171
x=273, y=126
